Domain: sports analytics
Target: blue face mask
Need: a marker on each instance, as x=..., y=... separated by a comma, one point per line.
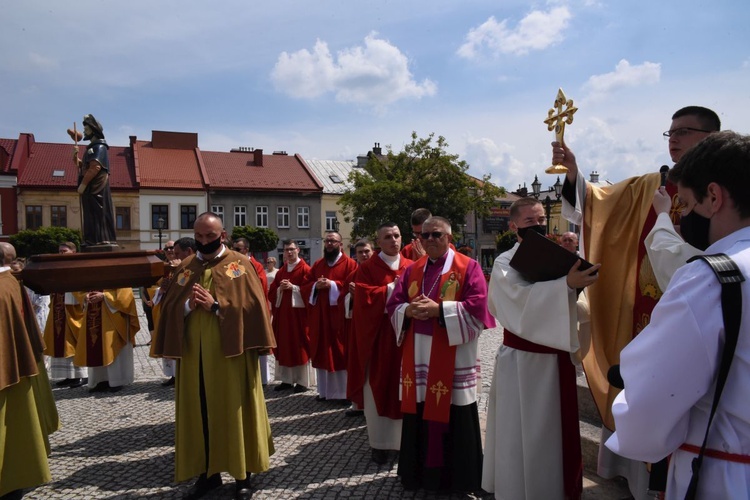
x=694, y=228
x=538, y=228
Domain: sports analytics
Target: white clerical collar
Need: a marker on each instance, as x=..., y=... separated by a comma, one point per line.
x=391, y=260
x=4, y=268
x=291, y=265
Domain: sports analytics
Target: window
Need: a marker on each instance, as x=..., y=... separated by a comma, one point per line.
x=159, y=212
x=240, y=216
x=187, y=216
x=122, y=218
x=33, y=216
x=303, y=217
x=282, y=217
x=261, y=216
x=218, y=210
x=58, y=216
x=331, y=221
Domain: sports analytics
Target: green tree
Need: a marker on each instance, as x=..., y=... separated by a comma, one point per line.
x=261, y=239
x=505, y=241
x=43, y=240
x=423, y=175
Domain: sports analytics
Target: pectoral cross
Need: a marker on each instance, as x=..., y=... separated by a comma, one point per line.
x=438, y=390
x=558, y=121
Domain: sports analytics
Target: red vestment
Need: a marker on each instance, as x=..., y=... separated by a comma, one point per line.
x=326, y=328
x=353, y=392
x=375, y=340
x=290, y=323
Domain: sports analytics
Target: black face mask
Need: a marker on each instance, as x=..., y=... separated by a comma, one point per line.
x=208, y=248
x=694, y=228
x=539, y=229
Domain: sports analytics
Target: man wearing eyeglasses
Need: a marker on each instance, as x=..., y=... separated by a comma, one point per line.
x=438, y=310
x=321, y=290
x=623, y=216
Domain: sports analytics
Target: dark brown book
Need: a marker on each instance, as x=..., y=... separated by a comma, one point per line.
x=540, y=259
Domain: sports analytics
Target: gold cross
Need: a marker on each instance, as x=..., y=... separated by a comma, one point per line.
x=558, y=121
x=407, y=383
x=438, y=390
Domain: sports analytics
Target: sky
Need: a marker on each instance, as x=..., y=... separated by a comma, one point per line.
x=328, y=79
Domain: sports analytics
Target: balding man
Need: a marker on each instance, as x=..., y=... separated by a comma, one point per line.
x=569, y=241
x=214, y=321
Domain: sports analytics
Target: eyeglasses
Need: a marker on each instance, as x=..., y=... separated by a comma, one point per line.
x=270, y=262
x=435, y=234
x=683, y=131
x=331, y=242
x=168, y=248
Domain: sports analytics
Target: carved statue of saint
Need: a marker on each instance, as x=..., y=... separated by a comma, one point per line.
x=93, y=185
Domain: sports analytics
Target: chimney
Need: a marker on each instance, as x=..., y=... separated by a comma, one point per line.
x=594, y=177
x=376, y=149
x=258, y=157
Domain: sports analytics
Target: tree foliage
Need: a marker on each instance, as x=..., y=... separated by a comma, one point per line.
x=43, y=240
x=261, y=239
x=423, y=175
x=505, y=241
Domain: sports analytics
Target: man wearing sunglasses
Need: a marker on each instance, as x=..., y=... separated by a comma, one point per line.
x=623, y=215
x=438, y=310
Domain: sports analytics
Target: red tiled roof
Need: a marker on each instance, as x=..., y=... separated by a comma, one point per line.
x=9, y=145
x=237, y=170
x=168, y=168
x=46, y=158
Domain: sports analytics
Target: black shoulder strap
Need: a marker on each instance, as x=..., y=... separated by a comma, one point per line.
x=731, y=279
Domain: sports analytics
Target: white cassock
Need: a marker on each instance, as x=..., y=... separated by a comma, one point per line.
x=523, y=456
x=670, y=371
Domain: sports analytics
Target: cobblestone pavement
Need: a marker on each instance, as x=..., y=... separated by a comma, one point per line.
x=121, y=445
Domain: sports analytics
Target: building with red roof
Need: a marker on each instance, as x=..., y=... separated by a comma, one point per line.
x=277, y=191
x=8, y=182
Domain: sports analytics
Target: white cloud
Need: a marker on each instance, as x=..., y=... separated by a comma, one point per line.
x=624, y=75
x=537, y=31
x=486, y=157
x=42, y=62
x=374, y=74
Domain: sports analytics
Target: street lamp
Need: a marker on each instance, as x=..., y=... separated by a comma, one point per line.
x=160, y=226
x=536, y=186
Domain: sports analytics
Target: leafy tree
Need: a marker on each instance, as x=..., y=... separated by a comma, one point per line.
x=505, y=241
x=423, y=175
x=43, y=240
x=261, y=239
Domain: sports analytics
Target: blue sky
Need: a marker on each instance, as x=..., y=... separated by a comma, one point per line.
x=327, y=79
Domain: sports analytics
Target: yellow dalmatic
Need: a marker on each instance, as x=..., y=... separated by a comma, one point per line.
x=107, y=327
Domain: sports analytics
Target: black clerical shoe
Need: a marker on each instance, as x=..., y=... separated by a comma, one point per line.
x=116, y=388
x=379, y=456
x=282, y=387
x=76, y=382
x=300, y=388
x=100, y=387
x=202, y=486
x=13, y=495
x=351, y=412
x=168, y=382
x=65, y=382
x=319, y=398
x=242, y=489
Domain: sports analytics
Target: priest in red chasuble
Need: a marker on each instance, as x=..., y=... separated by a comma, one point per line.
x=375, y=374
x=321, y=290
x=292, y=350
x=438, y=309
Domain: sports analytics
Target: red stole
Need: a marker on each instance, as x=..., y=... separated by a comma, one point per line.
x=94, y=332
x=571, y=432
x=442, y=355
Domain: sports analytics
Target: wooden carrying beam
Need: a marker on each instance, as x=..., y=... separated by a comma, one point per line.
x=80, y=272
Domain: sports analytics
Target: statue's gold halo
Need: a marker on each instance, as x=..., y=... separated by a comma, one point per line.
x=556, y=169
